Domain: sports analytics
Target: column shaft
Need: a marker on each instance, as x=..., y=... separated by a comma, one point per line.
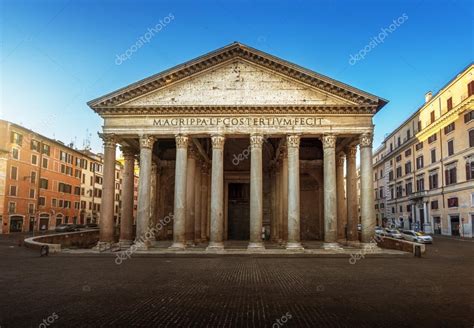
x=341, y=201
x=330, y=198
x=204, y=201
x=190, y=196
x=108, y=192
x=180, y=192
x=367, y=210
x=293, y=171
x=217, y=194
x=126, y=223
x=143, y=214
x=351, y=186
x=256, y=193
x=197, y=203
x=284, y=195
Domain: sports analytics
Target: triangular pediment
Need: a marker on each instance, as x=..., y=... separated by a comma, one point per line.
x=235, y=83
x=237, y=75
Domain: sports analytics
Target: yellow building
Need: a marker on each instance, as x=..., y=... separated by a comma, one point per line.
x=424, y=169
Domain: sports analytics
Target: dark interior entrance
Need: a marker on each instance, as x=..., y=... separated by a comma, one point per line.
x=239, y=211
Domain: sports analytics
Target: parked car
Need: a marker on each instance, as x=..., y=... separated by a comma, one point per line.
x=394, y=233
x=379, y=230
x=65, y=228
x=92, y=226
x=418, y=237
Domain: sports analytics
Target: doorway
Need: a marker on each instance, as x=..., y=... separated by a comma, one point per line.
x=16, y=223
x=239, y=211
x=454, y=225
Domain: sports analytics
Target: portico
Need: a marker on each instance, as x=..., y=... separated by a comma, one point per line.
x=238, y=144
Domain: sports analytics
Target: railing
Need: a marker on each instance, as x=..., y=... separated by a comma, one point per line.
x=418, y=194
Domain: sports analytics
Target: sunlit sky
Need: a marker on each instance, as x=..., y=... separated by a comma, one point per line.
x=57, y=55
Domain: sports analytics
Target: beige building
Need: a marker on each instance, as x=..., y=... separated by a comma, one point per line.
x=424, y=170
x=235, y=142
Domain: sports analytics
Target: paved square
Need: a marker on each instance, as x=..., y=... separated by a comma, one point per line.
x=236, y=291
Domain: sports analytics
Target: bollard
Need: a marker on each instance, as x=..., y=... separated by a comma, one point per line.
x=417, y=250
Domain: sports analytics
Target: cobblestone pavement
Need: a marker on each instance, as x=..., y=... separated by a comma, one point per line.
x=237, y=291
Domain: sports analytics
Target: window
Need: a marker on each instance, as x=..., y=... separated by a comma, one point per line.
x=470, y=169
x=450, y=147
x=381, y=192
x=409, y=208
x=409, y=188
x=453, y=202
x=470, y=88
x=390, y=176
x=408, y=134
x=433, y=180
x=419, y=146
x=76, y=205
x=471, y=138
x=434, y=205
x=46, y=149
x=408, y=152
x=12, y=190
x=43, y=183
x=14, y=173
x=34, y=159
x=42, y=201
x=45, y=163
x=432, y=117
x=35, y=145
x=433, y=155
x=54, y=202
x=393, y=209
x=31, y=208
x=399, y=158
x=77, y=190
x=399, y=191
x=16, y=138
x=32, y=193
x=11, y=207
x=449, y=103
x=419, y=126
x=420, y=184
x=468, y=117
x=399, y=141
x=419, y=162
x=33, y=177
x=399, y=172
x=63, y=187
x=432, y=138
x=449, y=128
x=15, y=153
x=407, y=167
x=450, y=174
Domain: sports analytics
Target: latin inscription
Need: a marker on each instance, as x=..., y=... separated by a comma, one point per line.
x=238, y=121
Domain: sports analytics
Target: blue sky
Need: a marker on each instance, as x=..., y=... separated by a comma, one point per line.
x=57, y=55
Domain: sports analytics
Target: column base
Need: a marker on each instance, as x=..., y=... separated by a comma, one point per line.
x=197, y=241
x=353, y=243
x=332, y=247
x=294, y=246
x=142, y=246
x=369, y=247
x=177, y=246
x=103, y=246
x=190, y=243
x=125, y=243
x=258, y=246
x=342, y=241
x=215, y=246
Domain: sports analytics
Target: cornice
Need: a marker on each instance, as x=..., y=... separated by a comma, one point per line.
x=217, y=109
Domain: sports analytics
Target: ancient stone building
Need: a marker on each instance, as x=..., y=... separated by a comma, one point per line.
x=238, y=140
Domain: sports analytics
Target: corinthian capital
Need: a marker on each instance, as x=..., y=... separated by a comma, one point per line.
x=256, y=141
x=293, y=141
x=366, y=139
x=351, y=152
x=329, y=141
x=218, y=141
x=182, y=141
x=109, y=140
x=128, y=152
x=146, y=141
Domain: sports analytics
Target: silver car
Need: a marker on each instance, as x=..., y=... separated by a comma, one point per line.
x=394, y=233
x=418, y=237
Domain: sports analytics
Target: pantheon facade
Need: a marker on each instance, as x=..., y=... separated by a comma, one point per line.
x=240, y=145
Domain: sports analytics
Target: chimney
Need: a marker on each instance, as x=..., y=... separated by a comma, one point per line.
x=428, y=96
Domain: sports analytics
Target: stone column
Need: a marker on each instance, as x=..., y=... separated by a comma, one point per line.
x=367, y=210
x=351, y=187
x=197, y=203
x=204, y=200
x=153, y=200
x=275, y=202
x=284, y=194
x=190, y=196
x=330, y=197
x=217, y=194
x=256, y=193
x=279, y=207
x=180, y=192
x=143, y=214
x=293, y=171
x=126, y=223
x=106, y=222
x=341, y=201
